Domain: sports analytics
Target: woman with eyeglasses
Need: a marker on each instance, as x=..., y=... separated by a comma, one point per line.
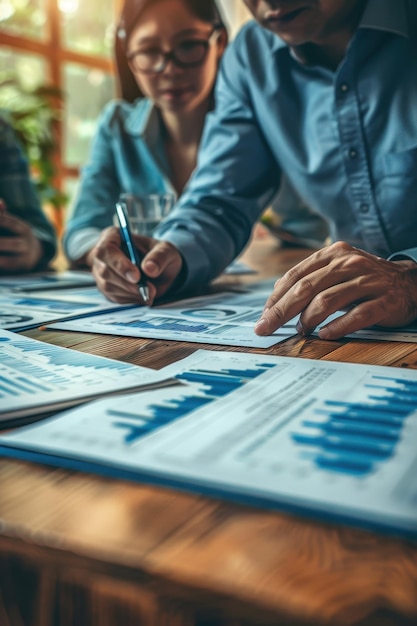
x=167, y=55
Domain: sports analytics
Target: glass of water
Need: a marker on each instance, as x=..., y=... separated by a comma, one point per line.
x=146, y=212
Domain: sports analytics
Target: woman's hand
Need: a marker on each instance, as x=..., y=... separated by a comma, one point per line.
x=117, y=278
x=374, y=291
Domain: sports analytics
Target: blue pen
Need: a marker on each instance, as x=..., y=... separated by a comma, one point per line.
x=131, y=250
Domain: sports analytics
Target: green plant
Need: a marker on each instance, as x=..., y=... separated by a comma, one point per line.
x=33, y=112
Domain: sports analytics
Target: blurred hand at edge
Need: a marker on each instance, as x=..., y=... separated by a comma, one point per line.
x=21, y=251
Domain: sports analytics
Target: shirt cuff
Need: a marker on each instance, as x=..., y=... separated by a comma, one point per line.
x=409, y=254
x=82, y=242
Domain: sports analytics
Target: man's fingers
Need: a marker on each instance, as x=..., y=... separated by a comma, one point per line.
x=374, y=292
x=356, y=318
x=320, y=285
x=279, y=309
x=320, y=260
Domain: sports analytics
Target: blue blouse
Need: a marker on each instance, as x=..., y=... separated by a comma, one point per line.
x=127, y=156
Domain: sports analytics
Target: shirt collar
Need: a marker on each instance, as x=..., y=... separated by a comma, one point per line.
x=388, y=15
x=143, y=119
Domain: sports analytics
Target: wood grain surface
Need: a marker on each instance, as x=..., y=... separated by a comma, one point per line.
x=79, y=549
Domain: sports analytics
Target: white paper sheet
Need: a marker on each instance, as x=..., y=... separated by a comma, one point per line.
x=220, y=319
x=405, y=333
x=37, y=377
x=46, y=280
x=23, y=310
x=332, y=440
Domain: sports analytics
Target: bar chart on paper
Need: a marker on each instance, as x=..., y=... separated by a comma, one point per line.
x=221, y=319
x=331, y=440
x=35, y=376
x=354, y=437
x=203, y=387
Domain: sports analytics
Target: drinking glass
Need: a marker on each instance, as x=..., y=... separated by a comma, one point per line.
x=146, y=212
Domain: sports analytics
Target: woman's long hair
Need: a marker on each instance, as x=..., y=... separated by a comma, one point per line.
x=206, y=10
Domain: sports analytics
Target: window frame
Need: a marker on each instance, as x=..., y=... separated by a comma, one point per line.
x=51, y=49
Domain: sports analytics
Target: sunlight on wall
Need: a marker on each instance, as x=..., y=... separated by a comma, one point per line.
x=235, y=14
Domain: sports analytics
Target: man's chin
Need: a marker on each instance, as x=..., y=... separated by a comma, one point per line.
x=292, y=28
x=291, y=39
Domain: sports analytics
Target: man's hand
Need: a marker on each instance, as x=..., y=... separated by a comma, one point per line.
x=117, y=278
x=375, y=292
x=20, y=249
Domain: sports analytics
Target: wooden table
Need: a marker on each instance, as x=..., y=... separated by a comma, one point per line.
x=82, y=550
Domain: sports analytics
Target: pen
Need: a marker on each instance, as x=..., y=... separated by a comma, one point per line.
x=131, y=250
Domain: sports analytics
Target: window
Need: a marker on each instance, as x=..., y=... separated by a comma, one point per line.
x=67, y=43
x=235, y=14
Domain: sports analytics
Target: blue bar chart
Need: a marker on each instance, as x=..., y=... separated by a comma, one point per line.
x=223, y=319
x=208, y=385
x=353, y=437
x=324, y=439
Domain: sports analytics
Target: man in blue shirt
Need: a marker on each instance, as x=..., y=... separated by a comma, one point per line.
x=325, y=92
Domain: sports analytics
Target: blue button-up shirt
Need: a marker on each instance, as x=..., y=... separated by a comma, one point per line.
x=345, y=139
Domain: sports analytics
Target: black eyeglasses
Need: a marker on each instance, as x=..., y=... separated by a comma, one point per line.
x=187, y=53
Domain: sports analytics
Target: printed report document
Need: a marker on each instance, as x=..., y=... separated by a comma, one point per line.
x=225, y=318
x=37, y=377
x=331, y=440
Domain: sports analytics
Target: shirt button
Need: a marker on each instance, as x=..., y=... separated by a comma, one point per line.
x=344, y=87
x=364, y=208
x=353, y=153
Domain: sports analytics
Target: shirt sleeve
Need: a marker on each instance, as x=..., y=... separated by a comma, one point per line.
x=235, y=179
x=98, y=191
x=409, y=254
x=19, y=193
